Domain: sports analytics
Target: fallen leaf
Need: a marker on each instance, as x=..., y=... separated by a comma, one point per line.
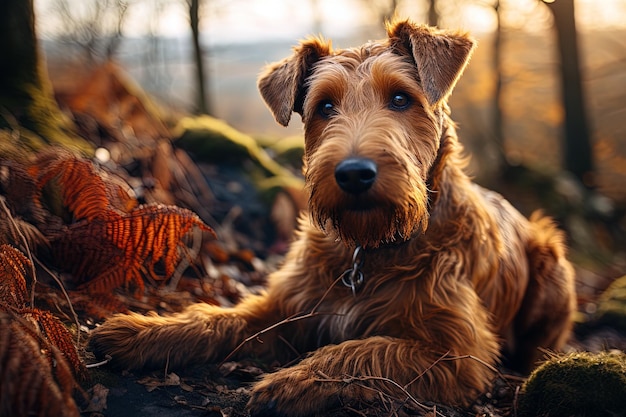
x=186, y=387
x=152, y=383
x=98, y=400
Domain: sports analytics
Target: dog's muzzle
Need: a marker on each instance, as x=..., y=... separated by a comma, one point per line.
x=356, y=175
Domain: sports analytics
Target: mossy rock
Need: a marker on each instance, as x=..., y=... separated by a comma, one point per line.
x=269, y=187
x=289, y=150
x=214, y=141
x=578, y=384
x=612, y=306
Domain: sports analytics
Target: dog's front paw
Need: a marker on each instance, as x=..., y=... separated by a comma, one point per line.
x=293, y=392
x=120, y=338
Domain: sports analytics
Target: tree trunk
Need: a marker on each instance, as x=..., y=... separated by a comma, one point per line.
x=433, y=16
x=202, y=102
x=498, y=119
x=577, y=144
x=27, y=105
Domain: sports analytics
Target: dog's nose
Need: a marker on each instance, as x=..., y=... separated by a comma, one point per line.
x=356, y=175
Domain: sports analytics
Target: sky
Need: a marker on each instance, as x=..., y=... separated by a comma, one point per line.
x=247, y=20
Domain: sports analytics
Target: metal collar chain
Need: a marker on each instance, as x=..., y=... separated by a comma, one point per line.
x=353, y=277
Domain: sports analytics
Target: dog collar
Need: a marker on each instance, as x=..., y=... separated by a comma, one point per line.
x=353, y=277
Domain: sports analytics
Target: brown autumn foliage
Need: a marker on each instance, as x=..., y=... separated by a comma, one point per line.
x=95, y=227
x=84, y=220
x=38, y=359
x=111, y=238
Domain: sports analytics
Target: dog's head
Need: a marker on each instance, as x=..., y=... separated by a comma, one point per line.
x=373, y=119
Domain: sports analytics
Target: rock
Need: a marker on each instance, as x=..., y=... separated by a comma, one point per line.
x=577, y=384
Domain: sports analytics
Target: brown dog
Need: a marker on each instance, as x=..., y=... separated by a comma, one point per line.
x=405, y=278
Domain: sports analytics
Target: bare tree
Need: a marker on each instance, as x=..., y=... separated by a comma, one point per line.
x=202, y=100
x=498, y=114
x=93, y=26
x=577, y=144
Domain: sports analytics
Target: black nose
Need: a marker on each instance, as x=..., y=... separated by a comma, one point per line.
x=355, y=175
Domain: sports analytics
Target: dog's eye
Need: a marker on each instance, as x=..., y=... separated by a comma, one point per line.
x=326, y=109
x=399, y=101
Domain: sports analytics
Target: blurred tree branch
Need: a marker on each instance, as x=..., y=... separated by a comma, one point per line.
x=383, y=10
x=95, y=27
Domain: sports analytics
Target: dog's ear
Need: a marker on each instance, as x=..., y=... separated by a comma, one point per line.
x=440, y=56
x=283, y=84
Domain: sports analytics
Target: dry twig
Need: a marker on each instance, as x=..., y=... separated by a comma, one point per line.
x=290, y=319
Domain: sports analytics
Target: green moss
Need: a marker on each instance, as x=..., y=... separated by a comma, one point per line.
x=19, y=143
x=35, y=120
x=269, y=187
x=289, y=150
x=46, y=119
x=578, y=384
x=213, y=140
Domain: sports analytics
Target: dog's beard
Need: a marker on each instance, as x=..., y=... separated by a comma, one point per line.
x=371, y=223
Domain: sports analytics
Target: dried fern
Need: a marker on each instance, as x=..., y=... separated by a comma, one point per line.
x=55, y=332
x=99, y=233
x=38, y=359
x=34, y=375
x=19, y=203
x=111, y=239
x=87, y=191
x=105, y=254
x=13, y=266
x=21, y=192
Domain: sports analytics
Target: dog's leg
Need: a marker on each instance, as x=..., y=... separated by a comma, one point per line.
x=449, y=357
x=362, y=371
x=545, y=317
x=202, y=333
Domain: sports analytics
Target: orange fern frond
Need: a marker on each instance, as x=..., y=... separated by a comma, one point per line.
x=57, y=335
x=87, y=191
x=13, y=296
x=82, y=189
x=98, y=305
x=110, y=241
x=126, y=274
x=35, y=377
x=13, y=266
x=105, y=254
x=163, y=229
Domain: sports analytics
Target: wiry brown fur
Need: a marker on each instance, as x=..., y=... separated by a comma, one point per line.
x=453, y=274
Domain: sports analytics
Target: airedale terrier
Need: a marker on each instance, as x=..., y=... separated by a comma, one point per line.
x=405, y=279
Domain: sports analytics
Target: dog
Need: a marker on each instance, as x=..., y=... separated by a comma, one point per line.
x=405, y=279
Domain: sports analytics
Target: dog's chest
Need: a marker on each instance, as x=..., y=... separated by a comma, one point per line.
x=342, y=321
x=366, y=312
